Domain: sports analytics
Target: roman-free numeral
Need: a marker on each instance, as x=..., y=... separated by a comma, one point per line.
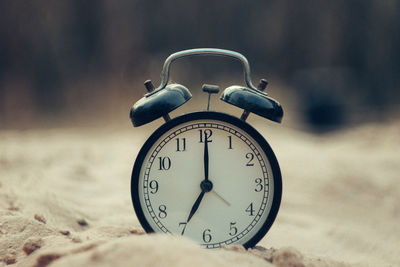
x=180, y=144
x=232, y=229
x=207, y=236
x=162, y=211
x=250, y=209
x=153, y=186
x=250, y=157
x=205, y=134
x=164, y=163
x=259, y=185
x=184, y=226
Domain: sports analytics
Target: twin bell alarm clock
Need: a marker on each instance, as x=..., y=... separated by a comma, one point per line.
x=206, y=175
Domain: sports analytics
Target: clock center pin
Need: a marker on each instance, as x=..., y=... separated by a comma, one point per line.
x=206, y=186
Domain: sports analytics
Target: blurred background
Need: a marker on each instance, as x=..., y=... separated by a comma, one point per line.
x=331, y=64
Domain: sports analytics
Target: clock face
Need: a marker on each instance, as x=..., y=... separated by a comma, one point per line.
x=207, y=176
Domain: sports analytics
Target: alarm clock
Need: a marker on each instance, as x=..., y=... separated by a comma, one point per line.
x=206, y=175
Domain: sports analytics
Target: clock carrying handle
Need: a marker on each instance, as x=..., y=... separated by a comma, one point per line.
x=204, y=51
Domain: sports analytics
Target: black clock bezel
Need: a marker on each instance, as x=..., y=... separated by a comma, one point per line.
x=212, y=115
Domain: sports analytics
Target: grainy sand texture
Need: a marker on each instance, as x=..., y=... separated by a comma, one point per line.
x=65, y=201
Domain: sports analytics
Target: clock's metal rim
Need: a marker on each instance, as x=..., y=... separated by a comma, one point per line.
x=221, y=117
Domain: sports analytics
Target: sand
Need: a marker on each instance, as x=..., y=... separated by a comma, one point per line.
x=65, y=201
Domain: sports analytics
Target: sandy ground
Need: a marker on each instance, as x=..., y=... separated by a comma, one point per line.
x=65, y=201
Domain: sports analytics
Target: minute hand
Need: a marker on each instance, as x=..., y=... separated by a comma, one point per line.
x=205, y=159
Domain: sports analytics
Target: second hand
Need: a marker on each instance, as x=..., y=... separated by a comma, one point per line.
x=220, y=197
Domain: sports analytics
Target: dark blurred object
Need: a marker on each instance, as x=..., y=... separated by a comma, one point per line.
x=326, y=97
x=324, y=112
x=66, y=55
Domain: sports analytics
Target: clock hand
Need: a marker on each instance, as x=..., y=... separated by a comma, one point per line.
x=220, y=197
x=195, y=206
x=206, y=186
x=205, y=159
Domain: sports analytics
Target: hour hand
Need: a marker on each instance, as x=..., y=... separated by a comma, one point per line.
x=195, y=206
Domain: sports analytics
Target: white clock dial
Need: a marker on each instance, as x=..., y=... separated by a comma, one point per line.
x=206, y=179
